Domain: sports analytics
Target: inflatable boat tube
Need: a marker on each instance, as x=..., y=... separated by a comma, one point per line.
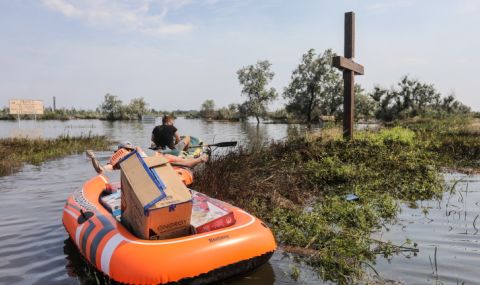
x=185, y=174
x=201, y=258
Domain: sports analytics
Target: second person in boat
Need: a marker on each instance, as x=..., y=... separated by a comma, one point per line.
x=167, y=136
x=126, y=147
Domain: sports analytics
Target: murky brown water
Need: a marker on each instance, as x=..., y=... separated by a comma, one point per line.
x=34, y=247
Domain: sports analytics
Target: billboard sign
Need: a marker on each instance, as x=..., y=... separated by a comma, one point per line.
x=25, y=107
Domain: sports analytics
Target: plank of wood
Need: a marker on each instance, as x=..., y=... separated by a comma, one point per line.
x=349, y=35
x=343, y=63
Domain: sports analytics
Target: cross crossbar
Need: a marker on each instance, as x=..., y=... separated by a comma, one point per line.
x=343, y=63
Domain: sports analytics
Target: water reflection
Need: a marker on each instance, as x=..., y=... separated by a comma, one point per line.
x=264, y=275
x=77, y=268
x=256, y=135
x=27, y=133
x=447, y=235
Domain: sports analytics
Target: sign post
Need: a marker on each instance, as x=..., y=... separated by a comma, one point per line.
x=25, y=107
x=350, y=69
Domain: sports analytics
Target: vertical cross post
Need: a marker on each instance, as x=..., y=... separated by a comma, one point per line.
x=349, y=50
x=350, y=69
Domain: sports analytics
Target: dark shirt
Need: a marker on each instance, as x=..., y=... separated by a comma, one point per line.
x=163, y=136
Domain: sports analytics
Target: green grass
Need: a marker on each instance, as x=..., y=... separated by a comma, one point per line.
x=456, y=140
x=298, y=186
x=15, y=152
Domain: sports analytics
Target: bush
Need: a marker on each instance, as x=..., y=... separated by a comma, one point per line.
x=298, y=186
x=387, y=136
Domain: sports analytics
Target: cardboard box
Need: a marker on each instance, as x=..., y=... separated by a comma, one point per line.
x=209, y=214
x=155, y=202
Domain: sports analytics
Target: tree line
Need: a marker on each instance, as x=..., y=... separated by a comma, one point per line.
x=316, y=90
x=111, y=109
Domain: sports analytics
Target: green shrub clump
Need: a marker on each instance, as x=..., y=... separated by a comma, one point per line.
x=299, y=187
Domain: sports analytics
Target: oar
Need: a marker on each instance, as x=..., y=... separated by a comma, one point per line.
x=220, y=144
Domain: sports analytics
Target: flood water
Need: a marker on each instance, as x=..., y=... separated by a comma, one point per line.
x=447, y=233
x=35, y=249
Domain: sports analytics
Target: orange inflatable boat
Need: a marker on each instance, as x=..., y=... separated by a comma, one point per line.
x=201, y=258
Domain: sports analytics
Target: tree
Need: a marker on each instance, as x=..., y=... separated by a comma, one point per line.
x=364, y=106
x=207, y=110
x=228, y=113
x=315, y=87
x=233, y=108
x=412, y=98
x=450, y=105
x=254, y=79
x=243, y=111
x=137, y=108
x=112, y=108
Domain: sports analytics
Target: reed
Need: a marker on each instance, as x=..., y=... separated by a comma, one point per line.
x=15, y=152
x=455, y=140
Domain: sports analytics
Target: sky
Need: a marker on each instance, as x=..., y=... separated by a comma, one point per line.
x=178, y=53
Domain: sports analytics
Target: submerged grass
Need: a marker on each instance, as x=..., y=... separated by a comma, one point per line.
x=456, y=140
x=299, y=187
x=14, y=152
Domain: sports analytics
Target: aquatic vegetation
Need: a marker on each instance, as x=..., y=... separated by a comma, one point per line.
x=454, y=139
x=299, y=186
x=389, y=135
x=295, y=273
x=14, y=152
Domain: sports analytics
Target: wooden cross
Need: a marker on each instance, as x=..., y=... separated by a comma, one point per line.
x=350, y=69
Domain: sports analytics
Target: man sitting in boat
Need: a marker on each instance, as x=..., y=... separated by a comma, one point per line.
x=127, y=147
x=166, y=135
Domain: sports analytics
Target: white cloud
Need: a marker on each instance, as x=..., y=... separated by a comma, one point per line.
x=61, y=6
x=146, y=16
